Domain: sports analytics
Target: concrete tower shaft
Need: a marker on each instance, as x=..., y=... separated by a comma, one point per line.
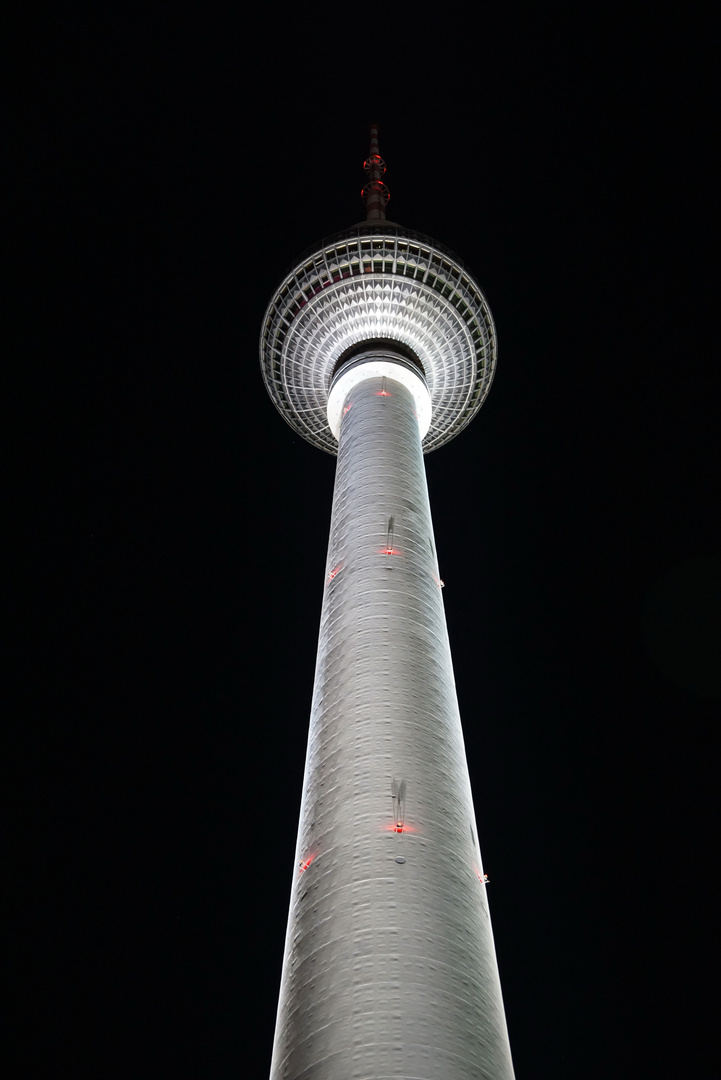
x=389, y=967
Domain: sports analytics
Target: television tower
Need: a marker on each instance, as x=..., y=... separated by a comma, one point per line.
x=379, y=347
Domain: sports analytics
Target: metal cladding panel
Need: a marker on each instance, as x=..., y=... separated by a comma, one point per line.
x=389, y=966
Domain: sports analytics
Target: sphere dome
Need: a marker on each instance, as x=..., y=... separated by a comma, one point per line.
x=378, y=282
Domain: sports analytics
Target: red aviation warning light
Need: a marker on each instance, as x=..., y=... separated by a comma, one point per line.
x=389, y=549
x=374, y=161
x=306, y=863
x=335, y=571
x=483, y=878
x=400, y=827
x=375, y=193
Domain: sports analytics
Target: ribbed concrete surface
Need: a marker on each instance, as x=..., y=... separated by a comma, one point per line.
x=389, y=967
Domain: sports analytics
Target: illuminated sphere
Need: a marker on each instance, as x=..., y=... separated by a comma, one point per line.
x=378, y=282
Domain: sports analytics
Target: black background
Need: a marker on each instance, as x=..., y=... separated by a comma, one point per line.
x=167, y=166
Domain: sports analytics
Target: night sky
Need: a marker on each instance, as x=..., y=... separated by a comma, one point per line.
x=166, y=168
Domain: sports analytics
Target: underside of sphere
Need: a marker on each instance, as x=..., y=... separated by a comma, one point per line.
x=378, y=282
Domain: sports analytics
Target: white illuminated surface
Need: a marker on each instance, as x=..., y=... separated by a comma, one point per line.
x=393, y=286
x=383, y=369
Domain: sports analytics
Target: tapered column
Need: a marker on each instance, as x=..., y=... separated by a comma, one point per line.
x=389, y=967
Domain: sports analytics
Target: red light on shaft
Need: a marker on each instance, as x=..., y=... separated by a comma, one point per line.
x=399, y=827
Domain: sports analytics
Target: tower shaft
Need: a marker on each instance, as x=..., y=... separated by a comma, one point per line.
x=389, y=967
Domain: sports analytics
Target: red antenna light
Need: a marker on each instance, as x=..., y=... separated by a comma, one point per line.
x=375, y=193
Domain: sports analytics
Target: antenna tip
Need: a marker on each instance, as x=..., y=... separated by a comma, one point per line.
x=375, y=193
